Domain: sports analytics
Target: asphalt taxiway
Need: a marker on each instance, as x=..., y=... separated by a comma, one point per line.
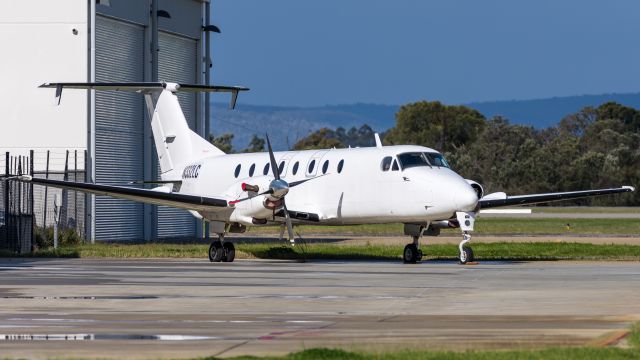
x=187, y=308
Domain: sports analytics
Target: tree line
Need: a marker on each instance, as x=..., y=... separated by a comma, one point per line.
x=597, y=147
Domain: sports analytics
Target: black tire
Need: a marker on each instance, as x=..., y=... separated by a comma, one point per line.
x=468, y=256
x=410, y=254
x=229, y=252
x=215, y=251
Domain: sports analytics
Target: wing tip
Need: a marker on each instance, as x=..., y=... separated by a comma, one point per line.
x=629, y=188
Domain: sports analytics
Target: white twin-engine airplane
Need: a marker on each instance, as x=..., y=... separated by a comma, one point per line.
x=406, y=184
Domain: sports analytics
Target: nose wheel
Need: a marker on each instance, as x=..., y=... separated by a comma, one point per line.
x=221, y=251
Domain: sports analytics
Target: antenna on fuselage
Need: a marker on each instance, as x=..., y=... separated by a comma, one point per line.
x=378, y=142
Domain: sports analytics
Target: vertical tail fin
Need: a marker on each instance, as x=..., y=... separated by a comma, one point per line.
x=176, y=144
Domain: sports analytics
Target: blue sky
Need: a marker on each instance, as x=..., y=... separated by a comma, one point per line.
x=311, y=53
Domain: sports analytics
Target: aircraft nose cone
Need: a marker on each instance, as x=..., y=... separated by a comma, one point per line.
x=465, y=198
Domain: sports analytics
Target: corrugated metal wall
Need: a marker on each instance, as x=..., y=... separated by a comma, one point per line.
x=119, y=127
x=177, y=62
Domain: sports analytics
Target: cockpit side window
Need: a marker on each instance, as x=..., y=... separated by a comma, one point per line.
x=412, y=159
x=386, y=163
x=395, y=167
x=437, y=159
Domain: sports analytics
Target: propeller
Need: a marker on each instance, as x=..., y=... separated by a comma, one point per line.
x=278, y=188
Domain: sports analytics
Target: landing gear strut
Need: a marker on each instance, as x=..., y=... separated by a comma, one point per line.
x=412, y=253
x=221, y=251
x=466, y=221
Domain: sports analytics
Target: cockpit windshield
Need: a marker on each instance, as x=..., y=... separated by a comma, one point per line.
x=414, y=159
x=436, y=159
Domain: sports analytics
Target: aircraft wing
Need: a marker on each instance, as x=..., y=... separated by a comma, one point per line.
x=501, y=199
x=182, y=201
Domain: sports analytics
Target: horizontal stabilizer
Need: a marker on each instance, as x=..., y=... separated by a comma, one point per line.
x=146, y=87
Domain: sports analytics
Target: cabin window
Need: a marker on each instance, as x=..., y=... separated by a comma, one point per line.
x=340, y=166
x=395, y=167
x=386, y=163
x=281, y=168
x=295, y=167
x=436, y=159
x=325, y=167
x=412, y=159
x=265, y=171
x=252, y=169
x=312, y=164
x=237, y=172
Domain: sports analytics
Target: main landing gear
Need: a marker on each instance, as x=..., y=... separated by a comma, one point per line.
x=466, y=221
x=412, y=253
x=219, y=250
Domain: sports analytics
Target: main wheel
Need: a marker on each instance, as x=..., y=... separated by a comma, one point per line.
x=410, y=254
x=467, y=255
x=229, y=252
x=215, y=251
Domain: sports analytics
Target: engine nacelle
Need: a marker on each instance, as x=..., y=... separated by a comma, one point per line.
x=477, y=187
x=257, y=208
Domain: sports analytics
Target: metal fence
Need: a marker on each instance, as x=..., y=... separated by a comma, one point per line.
x=27, y=212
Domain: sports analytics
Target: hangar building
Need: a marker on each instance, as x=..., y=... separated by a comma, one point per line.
x=103, y=41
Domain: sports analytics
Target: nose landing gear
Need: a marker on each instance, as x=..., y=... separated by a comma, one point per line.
x=466, y=221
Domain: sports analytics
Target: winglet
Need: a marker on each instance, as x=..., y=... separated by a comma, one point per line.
x=378, y=142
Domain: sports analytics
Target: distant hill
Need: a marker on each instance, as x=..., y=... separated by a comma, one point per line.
x=542, y=113
x=286, y=125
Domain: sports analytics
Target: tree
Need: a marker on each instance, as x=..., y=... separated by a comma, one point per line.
x=222, y=142
x=255, y=145
x=324, y=138
x=433, y=124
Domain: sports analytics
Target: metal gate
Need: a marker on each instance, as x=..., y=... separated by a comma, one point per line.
x=177, y=63
x=119, y=144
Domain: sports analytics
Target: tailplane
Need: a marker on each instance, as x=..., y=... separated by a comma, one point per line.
x=176, y=144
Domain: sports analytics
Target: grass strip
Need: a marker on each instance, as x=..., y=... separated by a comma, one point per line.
x=565, y=353
x=549, y=354
x=485, y=226
x=337, y=251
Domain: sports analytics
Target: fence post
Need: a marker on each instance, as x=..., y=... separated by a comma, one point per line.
x=75, y=193
x=46, y=193
x=63, y=216
x=56, y=218
x=33, y=215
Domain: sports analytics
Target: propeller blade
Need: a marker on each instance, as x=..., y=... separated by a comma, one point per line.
x=288, y=221
x=272, y=159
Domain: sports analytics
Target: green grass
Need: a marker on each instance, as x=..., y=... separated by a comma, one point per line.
x=483, y=226
x=585, y=209
x=566, y=353
x=551, y=354
x=336, y=251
